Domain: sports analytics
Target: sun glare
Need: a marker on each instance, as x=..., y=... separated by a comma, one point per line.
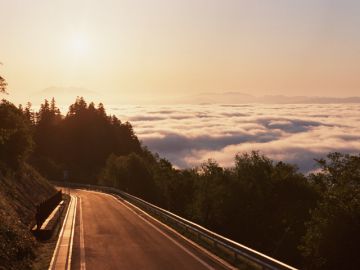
x=79, y=45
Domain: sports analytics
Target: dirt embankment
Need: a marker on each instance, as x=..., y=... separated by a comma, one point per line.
x=20, y=191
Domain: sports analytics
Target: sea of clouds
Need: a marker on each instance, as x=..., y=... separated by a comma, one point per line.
x=188, y=135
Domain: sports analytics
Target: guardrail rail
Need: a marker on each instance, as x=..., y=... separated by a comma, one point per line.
x=44, y=208
x=238, y=251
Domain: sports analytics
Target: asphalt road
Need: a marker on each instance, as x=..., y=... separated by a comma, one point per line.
x=115, y=236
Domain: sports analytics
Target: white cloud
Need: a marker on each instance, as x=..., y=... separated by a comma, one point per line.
x=190, y=134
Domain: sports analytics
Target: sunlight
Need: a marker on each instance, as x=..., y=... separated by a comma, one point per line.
x=79, y=45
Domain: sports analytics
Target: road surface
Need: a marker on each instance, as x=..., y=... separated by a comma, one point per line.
x=110, y=234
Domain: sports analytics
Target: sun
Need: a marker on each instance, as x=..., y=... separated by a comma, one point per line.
x=79, y=45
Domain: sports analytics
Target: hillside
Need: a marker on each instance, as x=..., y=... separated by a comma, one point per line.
x=20, y=191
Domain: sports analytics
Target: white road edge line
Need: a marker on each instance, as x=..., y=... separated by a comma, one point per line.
x=60, y=235
x=167, y=236
x=208, y=253
x=82, y=243
x=214, y=257
x=72, y=237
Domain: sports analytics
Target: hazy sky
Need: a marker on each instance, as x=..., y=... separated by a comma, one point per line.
x=154, y=48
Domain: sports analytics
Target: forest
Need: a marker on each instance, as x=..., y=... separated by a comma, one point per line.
x=309, y=221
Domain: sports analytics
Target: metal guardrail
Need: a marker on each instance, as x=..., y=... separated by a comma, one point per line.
x=44, y=209
x=239, y=251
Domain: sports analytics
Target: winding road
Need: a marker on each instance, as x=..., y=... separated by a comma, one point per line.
x=112, y=234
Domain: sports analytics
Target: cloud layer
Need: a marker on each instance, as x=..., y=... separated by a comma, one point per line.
x=190, y=134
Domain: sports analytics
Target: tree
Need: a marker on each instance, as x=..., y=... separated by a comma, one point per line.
x=182, y=192
x=129, y=173
x=15, y=135
x=211, y=193
x=81, y=141
x=333, y=233
x=267, y=206
x=29, y=114
x=3, y=85
x=47, y=139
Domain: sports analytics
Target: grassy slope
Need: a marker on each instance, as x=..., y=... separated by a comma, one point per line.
x=19, y=193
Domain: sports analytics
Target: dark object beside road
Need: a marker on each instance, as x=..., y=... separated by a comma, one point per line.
x=43, y=211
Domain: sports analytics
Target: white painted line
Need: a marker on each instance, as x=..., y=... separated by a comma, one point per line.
x=82, y=243
x=208, y=253
x=167, y=236
x=60, y=236
x=205, y=251
x=72, y=237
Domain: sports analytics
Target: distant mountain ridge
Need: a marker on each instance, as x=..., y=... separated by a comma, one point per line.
x=66, y=95
x=238, y=97
x=64, y=90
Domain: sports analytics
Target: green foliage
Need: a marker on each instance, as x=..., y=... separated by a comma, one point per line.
x=266, y=205
x=79, y=142
x=129, y=173
x=258, y=202
x=333, y=233
x=180, y=191
x=211, y=193
x=15, y=135
x=46, y=137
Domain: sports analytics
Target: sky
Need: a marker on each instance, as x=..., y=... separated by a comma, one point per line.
x=137, y=51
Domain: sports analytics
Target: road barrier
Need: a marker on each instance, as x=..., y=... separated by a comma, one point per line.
x=44, y=209
x=237, y=251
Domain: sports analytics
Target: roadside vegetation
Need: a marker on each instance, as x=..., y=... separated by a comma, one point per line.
x=309, y=221
x=21, y=188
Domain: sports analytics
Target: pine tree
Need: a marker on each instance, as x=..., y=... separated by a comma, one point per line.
x=3, y=85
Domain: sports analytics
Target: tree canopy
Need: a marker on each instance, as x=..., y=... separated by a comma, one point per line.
x=16, y=140
x=333, y=232
x=79, y=142
x=3, y=84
